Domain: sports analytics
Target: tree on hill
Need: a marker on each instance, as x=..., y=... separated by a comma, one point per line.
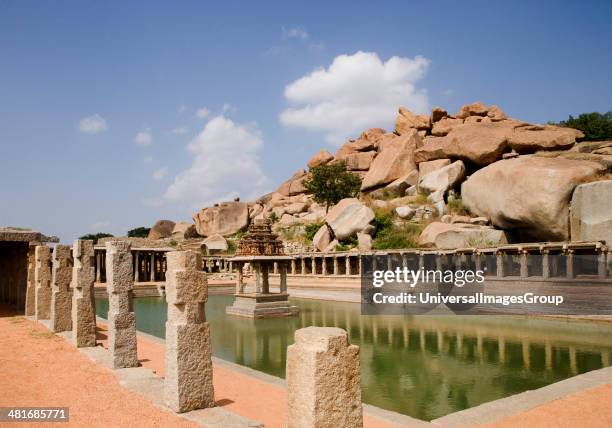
x=96, y=236
x=139, y=232
x=331, y=183
x=595, y=126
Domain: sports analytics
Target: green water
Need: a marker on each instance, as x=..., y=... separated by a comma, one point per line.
x=421, y=366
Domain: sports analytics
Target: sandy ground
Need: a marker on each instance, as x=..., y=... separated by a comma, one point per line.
x=38, y=368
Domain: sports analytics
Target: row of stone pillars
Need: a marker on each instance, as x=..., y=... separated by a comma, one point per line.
x=147, y=266
x=322, y=367
x=594, y=261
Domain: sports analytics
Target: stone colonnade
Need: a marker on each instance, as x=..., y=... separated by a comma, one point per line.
x=322, y=366
x=149, y=264
x=538, y=261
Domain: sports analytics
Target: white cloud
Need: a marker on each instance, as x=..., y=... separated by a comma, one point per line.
x=181, y=109
x=296, y=33
x=180, y=130
x=148, y=159
x=202, y=112
x=160, y=173
x=354, y=93
x=225, y=165
x=93, y=124
x=144, y=137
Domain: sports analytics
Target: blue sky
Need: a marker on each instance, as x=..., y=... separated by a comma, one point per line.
x=116, y=114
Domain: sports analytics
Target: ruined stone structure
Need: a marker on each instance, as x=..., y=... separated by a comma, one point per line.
x=42, y=279
x=263, y=251
x=83, y=309
x=30, y=299
x=323, y=380
x=14, y=244
x=121, y=318
x=61, y=294
x=188, y=384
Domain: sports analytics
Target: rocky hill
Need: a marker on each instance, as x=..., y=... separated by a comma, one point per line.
x=473, y=178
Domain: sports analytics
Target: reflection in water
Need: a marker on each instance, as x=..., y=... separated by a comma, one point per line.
x=422, y=366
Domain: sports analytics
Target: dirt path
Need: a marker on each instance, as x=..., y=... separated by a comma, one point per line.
x=38, y=368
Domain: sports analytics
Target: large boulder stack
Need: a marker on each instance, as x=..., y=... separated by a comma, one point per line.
x=295, y=185
x=184, y=230
x=480, y=176
x=223, y=219
x=528, y=194
x=161, y=229
x=394, y=161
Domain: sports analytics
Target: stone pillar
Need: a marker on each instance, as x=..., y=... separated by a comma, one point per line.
x=500, y=265
x=569, y=264
x=292, y=266
x=545, y=264
x=257, y=268
x=83, y=310
x=524, y=267
x=275, y=268
x=121, y=318
x=61, y=295
x=188, y=384
x=42, y=277
x=137, y=266
x=323, y=380
x=602, y=268
x=30, y=304
x=98, y=265
x=314, y=266
x=152, y=279
x=265, y=278
x=347, y=267
x=283, y=277
x=303, y=265
x=323, y=265
x=239, y=278
x=336, y=268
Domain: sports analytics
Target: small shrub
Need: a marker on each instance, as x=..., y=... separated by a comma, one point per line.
x=311, y=229
x=404, y=236
x=455, y=206
x=383, y=220
x=342, y=247
x=273, y=217
x=421, y=198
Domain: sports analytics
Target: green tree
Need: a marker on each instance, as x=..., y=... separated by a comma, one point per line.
x=139, y=232
x=331, y=183
x=595, y=126
x=96, y=236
